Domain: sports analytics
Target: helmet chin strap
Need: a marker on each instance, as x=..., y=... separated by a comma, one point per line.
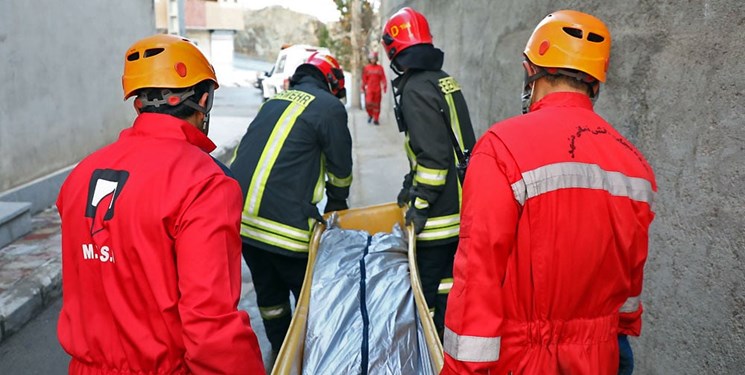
x=396, y=68
x=205, y=128
x=528, y=85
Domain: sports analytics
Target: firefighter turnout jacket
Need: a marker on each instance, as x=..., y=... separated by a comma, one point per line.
x=298, y=144
x=151, y=258
x=431, y=106
x=554, y=238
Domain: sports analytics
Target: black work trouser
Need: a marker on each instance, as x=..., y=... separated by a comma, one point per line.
x=436, y=274
x=274, y=277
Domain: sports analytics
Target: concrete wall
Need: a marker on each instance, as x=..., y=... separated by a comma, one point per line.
x=60, y=71
x=675, y=88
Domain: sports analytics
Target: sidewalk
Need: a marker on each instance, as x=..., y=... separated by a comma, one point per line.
x=30, y=268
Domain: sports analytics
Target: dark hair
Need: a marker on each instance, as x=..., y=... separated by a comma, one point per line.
x=180, y=110
x=555, y=79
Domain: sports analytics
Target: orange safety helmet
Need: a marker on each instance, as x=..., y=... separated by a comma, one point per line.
x=571, y=40
x=164, y=61
x=404, y=29
x=331, y=70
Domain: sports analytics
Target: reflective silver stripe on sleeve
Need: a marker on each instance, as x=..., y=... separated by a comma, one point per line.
x=471, y=348
x=557, y=176
x=631, y=305
x=520, y=191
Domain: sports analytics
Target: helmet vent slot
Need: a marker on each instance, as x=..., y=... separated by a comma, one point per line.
x=133, y=56
x=387, y=39
x=595, y=38
x=577, y=33
x=152, y=52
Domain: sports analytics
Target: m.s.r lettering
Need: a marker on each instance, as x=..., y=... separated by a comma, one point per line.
x=104, y=254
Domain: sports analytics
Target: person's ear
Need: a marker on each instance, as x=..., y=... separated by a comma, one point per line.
x=203, y=100
x=529, y=68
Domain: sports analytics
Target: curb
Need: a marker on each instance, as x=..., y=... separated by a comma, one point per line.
x=31, y=277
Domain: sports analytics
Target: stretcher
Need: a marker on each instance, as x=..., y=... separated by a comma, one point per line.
x=373, y=219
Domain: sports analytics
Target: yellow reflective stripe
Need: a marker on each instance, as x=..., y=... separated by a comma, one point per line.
x=438, y=233
x=409, y=152
x=420, y=203
x=235, y=155
x=442, y=221
x=430, y=176
x=274, y=312
x=269, y=157
x=455, y=125
x=471, y=348
x=273, y=239
x=445, y=286
x=278, y=228
x=454, y=121
x=318, y=190
x=631, y=305
x=440, y=227
x=339, y=182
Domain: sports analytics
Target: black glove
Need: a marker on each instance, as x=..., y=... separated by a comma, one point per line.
x=335, y=205
x=403, y=197
x=418, y=217
x=626, y=360
x=405, y=194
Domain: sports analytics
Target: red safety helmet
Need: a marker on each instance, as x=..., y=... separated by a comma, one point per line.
x=332, y=72
x=404, y=29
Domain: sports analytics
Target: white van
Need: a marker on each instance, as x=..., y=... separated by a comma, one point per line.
x=277, y=80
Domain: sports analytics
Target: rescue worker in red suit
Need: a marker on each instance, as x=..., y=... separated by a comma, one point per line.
x=151, y=251
x=433, y=114
x=554, y=232
x=373, y=78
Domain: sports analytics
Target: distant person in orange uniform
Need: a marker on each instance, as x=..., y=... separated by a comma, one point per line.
x=373, y=77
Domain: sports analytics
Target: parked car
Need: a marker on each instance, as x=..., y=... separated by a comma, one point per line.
x=260, y=77
x=289, y=58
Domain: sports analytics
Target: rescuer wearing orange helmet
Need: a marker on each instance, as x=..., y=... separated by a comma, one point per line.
x=554, y=231
x=373, y=78
x=432, y=112
x=297, y=146
x=151, y=256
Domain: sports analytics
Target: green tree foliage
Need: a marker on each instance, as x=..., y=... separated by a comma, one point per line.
x=341, y=44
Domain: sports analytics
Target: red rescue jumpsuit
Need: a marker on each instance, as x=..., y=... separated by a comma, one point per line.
x=151, y=258
x=554, y=234
x=373, y=77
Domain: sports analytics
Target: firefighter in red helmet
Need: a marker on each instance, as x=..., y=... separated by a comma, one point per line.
x=432, y=113
x=151, y=251
x=297, y=145
x=373, y=78
x=555, y=221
